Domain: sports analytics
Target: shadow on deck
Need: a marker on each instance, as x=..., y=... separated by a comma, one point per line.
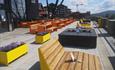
x=79, y=47
x=3, y=30
x=35, y=66
x=104, y=35
x=112, y=60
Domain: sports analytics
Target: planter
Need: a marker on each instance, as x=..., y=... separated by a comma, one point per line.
x=88, y=25
x=8, y=57
x=42, y=38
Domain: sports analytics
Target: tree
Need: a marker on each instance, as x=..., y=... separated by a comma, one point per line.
x=52, y=7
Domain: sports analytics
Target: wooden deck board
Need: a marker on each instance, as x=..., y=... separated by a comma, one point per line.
x=103, y=53
x=91, y=63
x=109, y=39
x=85, y=62
x=97, y=63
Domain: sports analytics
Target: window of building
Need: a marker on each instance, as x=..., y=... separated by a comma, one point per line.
x=2, y=15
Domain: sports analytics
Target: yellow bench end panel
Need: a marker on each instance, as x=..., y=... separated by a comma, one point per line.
x=43, y=64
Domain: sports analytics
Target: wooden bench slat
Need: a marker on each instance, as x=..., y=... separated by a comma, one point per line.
x=61, y=60
x=85, y=62
x=51, y=50
x=91, y=62
x=79, y=61
x=72, y=64
x=53, y=55
x=56, y=59
x=97, y=63
x=46, y=45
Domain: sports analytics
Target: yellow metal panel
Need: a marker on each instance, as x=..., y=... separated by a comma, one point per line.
x=7, y=57
x=46, y=37
x=43, y=64
x=3, y=58
x=39, y=39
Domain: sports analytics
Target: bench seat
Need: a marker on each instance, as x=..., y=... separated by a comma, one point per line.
x=53, y=57
x=83, y=61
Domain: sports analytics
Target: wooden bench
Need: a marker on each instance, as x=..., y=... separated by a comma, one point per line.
x=33, y=28
x=51, y=29
x=53, y=57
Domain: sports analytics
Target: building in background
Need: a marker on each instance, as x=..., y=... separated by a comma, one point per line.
x=14, y=11
x=5, y=15
x=79, y=15
x=43, y=13
x=32, y=9
x=25, y=9
x=63, y=11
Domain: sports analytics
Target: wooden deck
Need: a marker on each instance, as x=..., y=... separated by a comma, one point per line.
x=105, y=49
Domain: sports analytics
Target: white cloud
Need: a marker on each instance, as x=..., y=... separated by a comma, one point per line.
x=94, y=6
x=105, y=5
x=72, y=3
x=79, y=1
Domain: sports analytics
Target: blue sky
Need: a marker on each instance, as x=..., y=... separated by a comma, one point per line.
x=95, y=6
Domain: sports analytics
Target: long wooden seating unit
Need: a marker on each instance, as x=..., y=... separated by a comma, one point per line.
x=57, y=23
x=53, y=57
x=34, y=28
x=47, y=26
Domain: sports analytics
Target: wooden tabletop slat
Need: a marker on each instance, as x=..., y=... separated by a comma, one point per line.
x=72, y=64
x=97, y=63
x=79, y=61
x=61, y=60
x=64, y=66
x=85, y=62
x=91, y=62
